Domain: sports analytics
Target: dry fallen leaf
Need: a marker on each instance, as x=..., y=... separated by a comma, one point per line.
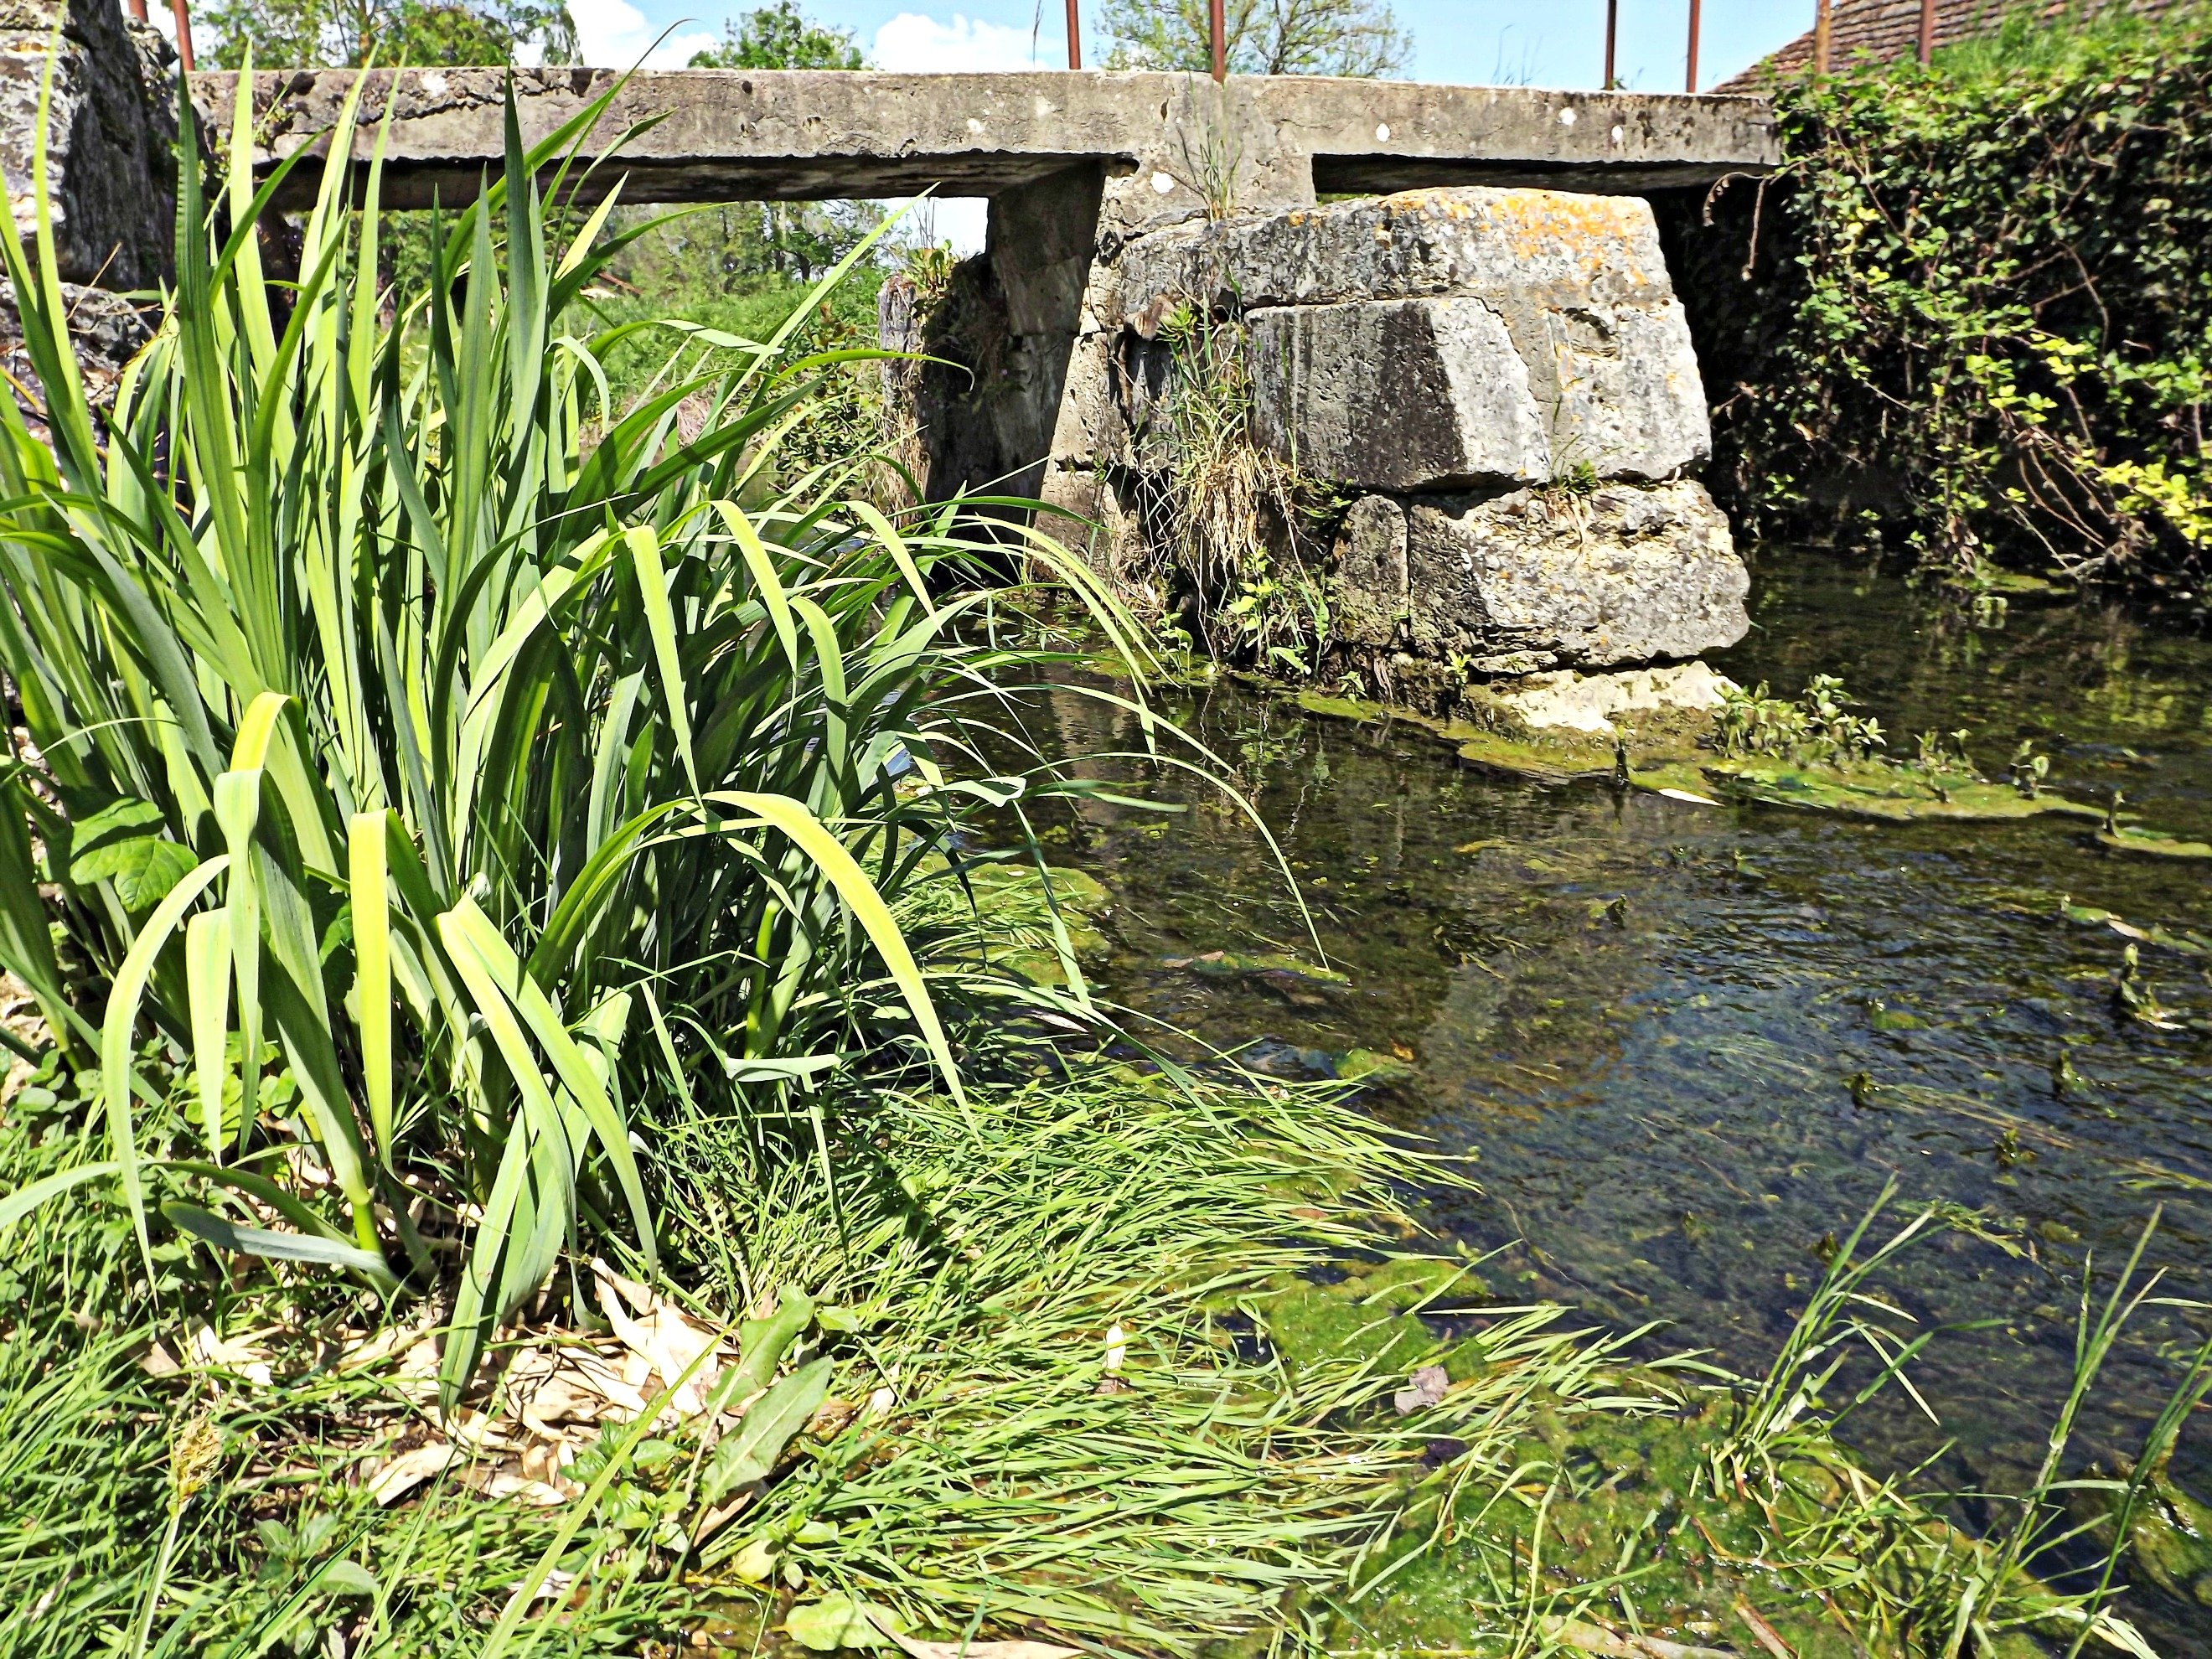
x=239, y=1354
x=1430, y=1384
x=662, y=1336
x=395, y=1477
x=503, y=1482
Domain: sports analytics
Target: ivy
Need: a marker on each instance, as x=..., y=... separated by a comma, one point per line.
x=1976, y=310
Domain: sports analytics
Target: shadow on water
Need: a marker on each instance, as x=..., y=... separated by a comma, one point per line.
x=1685, y=1045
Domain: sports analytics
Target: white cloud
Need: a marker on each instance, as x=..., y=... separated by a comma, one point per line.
x=959, y=220
x=614, y=34
x=916, y=43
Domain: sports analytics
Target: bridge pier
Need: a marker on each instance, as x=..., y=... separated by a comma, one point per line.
x=1491, y=371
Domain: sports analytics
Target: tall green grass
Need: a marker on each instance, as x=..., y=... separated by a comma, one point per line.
x=449, y=766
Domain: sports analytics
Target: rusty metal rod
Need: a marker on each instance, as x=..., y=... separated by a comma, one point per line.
x=1690, y=78
x=1074, y=37
x=1824, y=37
x=1612, y=41
x=138, y=10
x=1217, y=27
x=1927, y=30
x=182, y=11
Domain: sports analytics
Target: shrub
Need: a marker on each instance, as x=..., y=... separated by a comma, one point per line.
x=1979, y=314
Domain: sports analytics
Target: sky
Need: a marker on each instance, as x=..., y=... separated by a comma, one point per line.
x=1546, y=43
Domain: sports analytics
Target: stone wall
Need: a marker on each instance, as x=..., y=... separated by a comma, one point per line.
x=111, y=171
x=1500, y=382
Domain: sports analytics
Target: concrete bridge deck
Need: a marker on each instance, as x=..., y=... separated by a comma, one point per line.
x=719, y=135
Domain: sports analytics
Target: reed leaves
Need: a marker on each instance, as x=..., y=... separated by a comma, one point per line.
x=405, y=722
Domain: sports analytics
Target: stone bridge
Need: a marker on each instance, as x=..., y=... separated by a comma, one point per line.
x=1270, y=140
x=1489, y=362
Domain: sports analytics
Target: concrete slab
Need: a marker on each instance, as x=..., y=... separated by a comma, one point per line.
x=1263, y=141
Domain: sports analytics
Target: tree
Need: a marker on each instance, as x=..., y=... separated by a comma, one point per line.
x=745, y=242
x=329, y=34
x=781, y=37
x=1263, y=37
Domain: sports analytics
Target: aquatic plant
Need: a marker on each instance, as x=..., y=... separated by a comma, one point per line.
x=1819, y=726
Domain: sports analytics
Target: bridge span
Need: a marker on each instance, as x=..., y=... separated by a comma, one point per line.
x=1264, y=141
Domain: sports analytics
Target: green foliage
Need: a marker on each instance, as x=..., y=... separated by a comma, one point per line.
x=319, y=33
x=1263, y=37
x=512, y=785
x=1984, y=317
x=1819, y=727
x=780, y=36
x=1239, y=521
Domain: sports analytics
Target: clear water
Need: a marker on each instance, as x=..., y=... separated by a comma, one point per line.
x=1682, y=1045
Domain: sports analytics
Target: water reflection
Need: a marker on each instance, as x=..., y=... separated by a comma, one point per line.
x=1685, y=1045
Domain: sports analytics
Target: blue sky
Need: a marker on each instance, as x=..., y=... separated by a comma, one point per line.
x=1551, y=43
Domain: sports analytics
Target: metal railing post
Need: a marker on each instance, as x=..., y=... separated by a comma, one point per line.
x=1217, y=26
x=1612, y=41
x=1824, y=36
x=1927, y=30
x=1690, y=78
x=1074, y=37
x=182, y=11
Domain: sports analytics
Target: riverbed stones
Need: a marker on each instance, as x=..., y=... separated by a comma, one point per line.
x=1543, y=578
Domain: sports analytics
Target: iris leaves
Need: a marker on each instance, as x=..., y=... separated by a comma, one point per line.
x=408, y=720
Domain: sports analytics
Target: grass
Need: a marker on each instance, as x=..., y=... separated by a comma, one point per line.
x=470, y=826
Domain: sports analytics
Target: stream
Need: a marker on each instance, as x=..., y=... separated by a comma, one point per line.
x=1683, y=1045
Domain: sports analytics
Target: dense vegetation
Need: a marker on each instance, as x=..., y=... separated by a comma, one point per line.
x=504, y=869
x=1972, y=314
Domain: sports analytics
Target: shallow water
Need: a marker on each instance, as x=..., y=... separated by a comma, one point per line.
x=1683, y=1045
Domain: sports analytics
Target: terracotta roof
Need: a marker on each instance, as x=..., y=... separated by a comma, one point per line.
x=1888, y=29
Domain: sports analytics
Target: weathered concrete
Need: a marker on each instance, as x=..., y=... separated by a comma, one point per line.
x=111, y=120
x=758, y=134
x=1537, y=580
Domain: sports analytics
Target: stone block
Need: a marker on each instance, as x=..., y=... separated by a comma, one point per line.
x=1595, y=705
x=1550, y=248
x=1583, y=363
x=1370, y=594
x=1551, y=579
x=1397, y=394
x=1624, y=394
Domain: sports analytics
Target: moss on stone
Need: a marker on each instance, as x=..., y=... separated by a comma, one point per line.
x=2152, y=844
x=1876, y=789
